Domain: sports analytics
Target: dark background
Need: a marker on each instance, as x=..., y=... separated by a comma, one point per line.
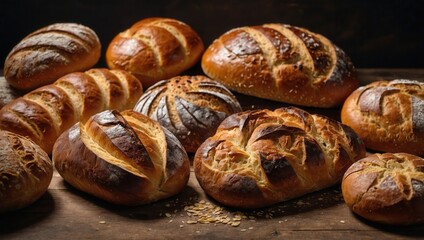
x=375, y=34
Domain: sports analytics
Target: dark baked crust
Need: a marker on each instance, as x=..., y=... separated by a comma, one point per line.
x=49, y=53
x=261, y=157
x=386, y=188
x=282, y=63
x=25, y=171
x=124, y=158
x=191, y=107
x=388, y=115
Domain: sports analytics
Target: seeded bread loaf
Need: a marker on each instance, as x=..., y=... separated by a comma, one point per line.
x=282, y=63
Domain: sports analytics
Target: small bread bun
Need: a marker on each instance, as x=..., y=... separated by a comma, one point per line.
x=154, y=49
x=191, y=107
x=388, y=115
x=50, y=53
x=386, y=188
x=25, y=171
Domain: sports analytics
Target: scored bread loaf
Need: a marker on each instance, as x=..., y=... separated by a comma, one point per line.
x=388, y=115
x=44, y=113
x=282, y=63
x=49, y=53
x=154, y=49
x=262, y=157
x=191, y=107
x=386, y=188
x=123, y=158
x=25, y=171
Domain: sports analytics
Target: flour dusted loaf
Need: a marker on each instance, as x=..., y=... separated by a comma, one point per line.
x=154, y=49
x=49, y=53
x=261, y=157
x=123, y=158
x=386, y=188
x=191, y=107
x=44, y=113
x=388, y=115
x=282, y=63
x=25, y=171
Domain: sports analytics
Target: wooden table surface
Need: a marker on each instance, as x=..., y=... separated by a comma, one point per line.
x=66, y=213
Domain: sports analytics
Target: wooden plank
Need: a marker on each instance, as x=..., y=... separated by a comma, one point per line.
x=66, y=213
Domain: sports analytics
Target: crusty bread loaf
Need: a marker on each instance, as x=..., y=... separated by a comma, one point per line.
x=282, y=63
x=25, y=171
x=154, y=49
x=49, y=53
x=44, y=113
x=261, y=157
x=191, y=107
x=386, y=188
x=388, y=115
x=123, y=158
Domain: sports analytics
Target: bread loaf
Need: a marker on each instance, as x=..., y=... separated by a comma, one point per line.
x=25, y=171
x=154, y=49
x=282, y=63
x=261, y=157
x=123, y=158
x=386, y=188
x=44, y=113
x=388, y=115
x=49, y=53
x=191, y=107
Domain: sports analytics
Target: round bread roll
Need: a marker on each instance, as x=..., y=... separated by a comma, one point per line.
x=261, y=157
x=191, y=107
x=154, y=49
x=49, y=53
x=25, y=171
x=282, y=63
x=386, y=188
x=388, y=115
x=123, y=158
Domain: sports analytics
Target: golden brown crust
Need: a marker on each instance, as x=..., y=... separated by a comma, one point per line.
x=154, y=49
x=386, y=188
x=49, y=53
x=25, y=171
x=191, y=107
x=282, y=63
x=261, y=157
x=124, y=158
x=388, y=115
x=44, y=113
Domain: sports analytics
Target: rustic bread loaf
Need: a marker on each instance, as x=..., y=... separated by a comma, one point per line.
x=25, y=171
x=49, y=53
x=123, y=158
x=191, y=107
x=388, y=115
x=282, y=63
x=261, y=157
x=44, y=113
x=154, y=49
x=386, y=188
